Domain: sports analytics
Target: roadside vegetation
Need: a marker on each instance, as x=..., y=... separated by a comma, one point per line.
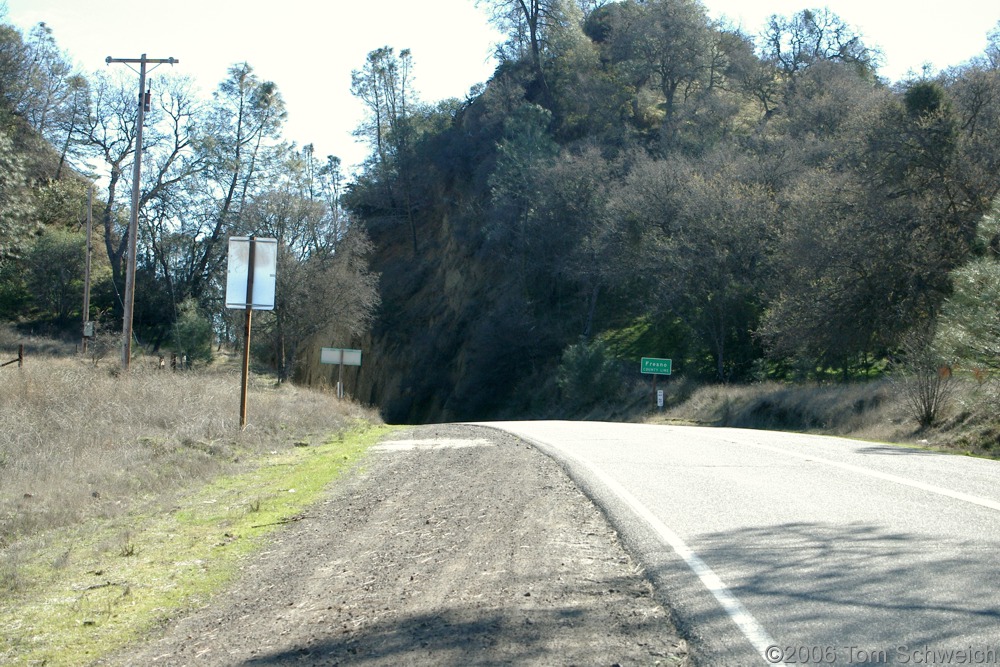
x=919, y=401
x=879, y=411
x=125, y=500
x=939, y=390
x=889, y=409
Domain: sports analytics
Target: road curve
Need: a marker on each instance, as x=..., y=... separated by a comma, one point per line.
x=775, y=548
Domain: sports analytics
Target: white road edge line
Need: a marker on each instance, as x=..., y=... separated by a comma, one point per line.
x=957, y=495
x=747, y=624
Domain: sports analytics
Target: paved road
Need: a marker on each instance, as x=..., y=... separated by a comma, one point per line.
x=790, y=549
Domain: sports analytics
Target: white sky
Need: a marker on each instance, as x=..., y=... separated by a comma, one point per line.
x=908, y=33
x=310, y=47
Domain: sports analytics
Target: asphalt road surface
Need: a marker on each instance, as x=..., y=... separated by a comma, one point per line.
x=779, y=548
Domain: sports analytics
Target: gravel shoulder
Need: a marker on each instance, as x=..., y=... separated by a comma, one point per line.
x=449, y=545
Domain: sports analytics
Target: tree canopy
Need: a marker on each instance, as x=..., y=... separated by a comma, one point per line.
x=212, y=168
x=757, y=206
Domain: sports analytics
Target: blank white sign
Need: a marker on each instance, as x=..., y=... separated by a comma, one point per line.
x=332, y=355
x=264, y=272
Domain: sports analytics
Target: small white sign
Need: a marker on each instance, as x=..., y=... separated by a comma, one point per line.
x=264, y=273
x=336, y=355
x=659, y=398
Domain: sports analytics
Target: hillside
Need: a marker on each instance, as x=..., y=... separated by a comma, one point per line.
x=646, y=183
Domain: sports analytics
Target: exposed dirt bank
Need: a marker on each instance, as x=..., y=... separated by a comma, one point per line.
x=453, y=545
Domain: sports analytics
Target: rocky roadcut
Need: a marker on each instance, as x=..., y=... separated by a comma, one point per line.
x=452, y=545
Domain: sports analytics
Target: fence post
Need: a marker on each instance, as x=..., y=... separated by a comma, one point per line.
x=19, y=359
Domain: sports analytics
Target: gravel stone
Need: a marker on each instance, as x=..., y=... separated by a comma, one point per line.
x=448, y=545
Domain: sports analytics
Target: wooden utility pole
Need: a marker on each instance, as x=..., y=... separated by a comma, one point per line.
x=133, y=225
x=86, y=270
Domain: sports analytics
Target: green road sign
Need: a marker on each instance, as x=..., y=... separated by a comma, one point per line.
x=653, y=366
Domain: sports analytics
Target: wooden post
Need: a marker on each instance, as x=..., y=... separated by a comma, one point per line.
x=246, y=336
x=86, y=270
x=20, y=355
x=133, y=228
x=340, y=378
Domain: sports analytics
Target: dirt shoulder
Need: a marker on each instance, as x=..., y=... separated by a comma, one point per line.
x=451, y=545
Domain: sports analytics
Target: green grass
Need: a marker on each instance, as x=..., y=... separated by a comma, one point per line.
x=645, y=338
x=89, y=590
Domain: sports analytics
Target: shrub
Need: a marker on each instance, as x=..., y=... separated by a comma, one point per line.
x=192, y=333
x=923, y=378
x=587, y=374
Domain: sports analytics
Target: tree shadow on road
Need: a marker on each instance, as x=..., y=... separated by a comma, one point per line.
x=595, y=627
x=861, y=585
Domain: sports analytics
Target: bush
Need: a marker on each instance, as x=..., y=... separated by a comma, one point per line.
x=193, y=333
x=924, y=378
x=587, y=374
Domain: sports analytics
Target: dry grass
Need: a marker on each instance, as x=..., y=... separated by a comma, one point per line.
x=876, y=410
x=78, y=441
x=81, y=592
x=838, y=409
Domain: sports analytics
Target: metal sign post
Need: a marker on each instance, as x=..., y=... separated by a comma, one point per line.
x=653, y=366
x=340, y=376
x=336, y=355
x=251, y=273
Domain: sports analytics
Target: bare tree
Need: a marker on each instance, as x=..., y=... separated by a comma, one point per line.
x=168, y=139
x=72, y=122
x=527, y=24
x=47, y=77
x=811, y=36
x=385, y=86
x=193, y=209
x=111, y=132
